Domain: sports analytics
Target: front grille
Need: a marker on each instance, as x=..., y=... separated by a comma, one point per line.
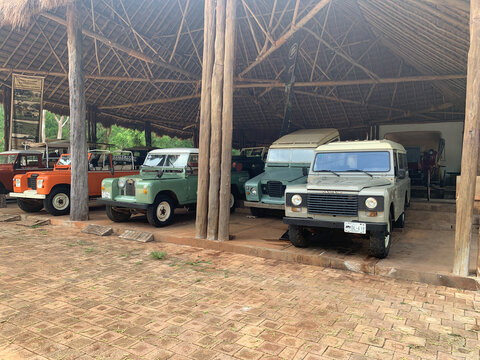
x=130, y=188
x=275, y=189
x=32, y=182
x=333, y=204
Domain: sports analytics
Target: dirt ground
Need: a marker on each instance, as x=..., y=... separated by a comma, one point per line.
x=68, y=295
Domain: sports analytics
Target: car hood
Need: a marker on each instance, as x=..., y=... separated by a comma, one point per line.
x=346, y=183
x=285, y=175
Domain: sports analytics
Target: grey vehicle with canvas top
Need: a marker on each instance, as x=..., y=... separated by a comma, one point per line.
x=361, y=187
x=288, y=162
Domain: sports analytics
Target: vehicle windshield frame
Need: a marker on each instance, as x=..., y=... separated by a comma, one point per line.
x=62, y=157
x=291, y=151
x=7, y=156
x=180, y=161
x=353, y=169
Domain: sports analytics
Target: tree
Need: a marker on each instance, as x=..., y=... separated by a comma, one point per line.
x=61, y=122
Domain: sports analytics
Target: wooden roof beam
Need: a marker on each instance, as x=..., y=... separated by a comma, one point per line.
x=131, y=52
x=150, y=102
x=285, y=37
x=255, y=83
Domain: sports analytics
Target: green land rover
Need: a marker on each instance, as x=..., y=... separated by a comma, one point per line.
x=361, y=187
x=167, y=180
x=288, y=162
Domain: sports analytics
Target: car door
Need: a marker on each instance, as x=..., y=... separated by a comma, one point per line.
x=191, y=177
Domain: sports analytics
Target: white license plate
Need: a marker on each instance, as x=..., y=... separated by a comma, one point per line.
x=354, y=227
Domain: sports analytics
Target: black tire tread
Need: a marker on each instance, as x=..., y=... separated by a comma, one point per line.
x=297, y=236
x=30, y=206
x=47, y=203
x=117, y=216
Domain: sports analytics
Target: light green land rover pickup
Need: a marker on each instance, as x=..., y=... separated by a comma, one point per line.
x=168, y=179
x=288, y=162
x=361, y=187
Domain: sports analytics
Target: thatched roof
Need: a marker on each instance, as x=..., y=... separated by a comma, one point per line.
x=351, y=53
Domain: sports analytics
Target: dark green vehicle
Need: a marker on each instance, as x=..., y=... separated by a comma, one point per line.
x=168, y=179
x=288, y=163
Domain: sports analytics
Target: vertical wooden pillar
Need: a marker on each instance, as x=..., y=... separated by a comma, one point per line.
x=148, y=134
x=205, y=112
x=216, y=122
x=43, y=137
x=78, y=141
x=7, y=114
x=471, y=140
x=227, y=122
x=92, y=123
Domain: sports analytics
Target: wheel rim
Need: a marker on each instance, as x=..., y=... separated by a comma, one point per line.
x=232, y=200
x=163, y=211
x=60, y=201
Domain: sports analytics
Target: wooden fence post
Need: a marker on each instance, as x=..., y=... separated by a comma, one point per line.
x=205, y=112
x=78, y=141
x=7, y=116
x=227, y=122
x=471, y=140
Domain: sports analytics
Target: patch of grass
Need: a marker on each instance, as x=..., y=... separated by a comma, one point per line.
x=89, y=250
x=139, y=262
x=158, y=255
x=198, y=262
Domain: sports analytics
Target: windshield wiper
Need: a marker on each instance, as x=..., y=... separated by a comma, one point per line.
x=330, y=171
x=358, y=170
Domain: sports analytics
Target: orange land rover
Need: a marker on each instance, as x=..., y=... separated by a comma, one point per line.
x=51, y=189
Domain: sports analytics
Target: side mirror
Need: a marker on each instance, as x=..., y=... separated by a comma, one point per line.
x=305, y=171
x=112, y=171
x=402, y=173
x=159, y=173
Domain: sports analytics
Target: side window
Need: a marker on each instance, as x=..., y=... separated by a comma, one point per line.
x=395, y=161
x=99, y=162
x=192, y=164
x=403, y=161
x=29, y=161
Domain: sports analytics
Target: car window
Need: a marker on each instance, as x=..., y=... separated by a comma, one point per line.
x=370, y=161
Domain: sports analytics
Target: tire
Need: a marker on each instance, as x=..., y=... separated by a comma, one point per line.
x=30, y=206
x=297, y=236
x=407, y=202
x=400, y=223
x=257, y=212
x=57, y=203
x=380, y=241
x=117, y=216
x=160, y=213
x=233, y=203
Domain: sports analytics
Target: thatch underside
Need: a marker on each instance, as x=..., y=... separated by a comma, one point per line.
x=151, y=68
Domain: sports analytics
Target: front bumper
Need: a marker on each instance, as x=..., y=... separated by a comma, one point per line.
x=122, y=204
x=312, y=223
x=28, y=194
x=256, y=204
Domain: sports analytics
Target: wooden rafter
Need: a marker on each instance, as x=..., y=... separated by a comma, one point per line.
x=284, y=38
x=125, y=49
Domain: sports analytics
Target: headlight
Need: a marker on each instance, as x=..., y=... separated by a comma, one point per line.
x=296, y=200
x=121, y=183
x=371, y=203
x=253, y=191
x=40, y=183
x=17, y=182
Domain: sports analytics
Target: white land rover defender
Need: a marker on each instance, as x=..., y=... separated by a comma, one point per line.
x=361, y=187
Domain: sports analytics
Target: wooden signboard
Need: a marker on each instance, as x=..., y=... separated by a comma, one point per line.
x=26, y=114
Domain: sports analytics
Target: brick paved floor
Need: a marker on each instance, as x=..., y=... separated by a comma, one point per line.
x=67, y=295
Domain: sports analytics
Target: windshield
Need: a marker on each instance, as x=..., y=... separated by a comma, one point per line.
x=179, y=160
x=8, y=159
x=370, y=161
x=290, y=156
x=64, y=160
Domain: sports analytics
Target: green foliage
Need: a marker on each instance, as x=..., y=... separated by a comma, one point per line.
x=118, y=136
x=158, y=255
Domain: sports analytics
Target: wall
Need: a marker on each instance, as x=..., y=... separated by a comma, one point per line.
x=452, y=132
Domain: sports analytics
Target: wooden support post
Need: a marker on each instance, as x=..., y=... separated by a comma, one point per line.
x=471, y=141
x=205, y=111
x=148, y=134
x=227, y=122
x=92, y=124
x=43, y=136
x=7, y=115
x=216, y=123
x=78, y=143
